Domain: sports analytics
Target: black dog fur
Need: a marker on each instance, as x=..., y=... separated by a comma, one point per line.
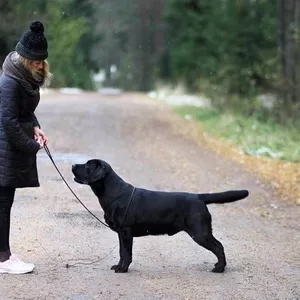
x=152, y=212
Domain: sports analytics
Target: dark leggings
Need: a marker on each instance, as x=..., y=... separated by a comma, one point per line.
x=6, y=200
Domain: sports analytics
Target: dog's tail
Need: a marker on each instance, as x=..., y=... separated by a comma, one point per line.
x=225, y=197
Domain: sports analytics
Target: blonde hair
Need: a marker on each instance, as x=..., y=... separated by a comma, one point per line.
x=35, y=73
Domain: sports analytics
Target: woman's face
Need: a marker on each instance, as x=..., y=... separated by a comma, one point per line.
x=37, y=65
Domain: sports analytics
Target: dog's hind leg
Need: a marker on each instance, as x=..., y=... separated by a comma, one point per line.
x=125, y=250
x=201, y=233
x=217, y=248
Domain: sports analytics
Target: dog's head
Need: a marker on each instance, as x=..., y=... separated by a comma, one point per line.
x=93, y=170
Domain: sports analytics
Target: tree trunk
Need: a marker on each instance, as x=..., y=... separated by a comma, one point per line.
x=289, y=47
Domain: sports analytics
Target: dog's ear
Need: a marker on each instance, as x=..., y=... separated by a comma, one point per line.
x=98, y=173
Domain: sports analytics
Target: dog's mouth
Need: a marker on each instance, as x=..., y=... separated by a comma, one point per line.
x=79, y=181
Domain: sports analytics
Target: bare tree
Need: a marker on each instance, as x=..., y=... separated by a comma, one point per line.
x=289, y=47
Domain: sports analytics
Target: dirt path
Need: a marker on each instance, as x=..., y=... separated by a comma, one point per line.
x=260, y=234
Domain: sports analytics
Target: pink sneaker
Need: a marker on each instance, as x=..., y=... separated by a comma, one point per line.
x=15, y=266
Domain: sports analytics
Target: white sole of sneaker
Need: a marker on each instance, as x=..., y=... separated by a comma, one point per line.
x=14, y=272
x=5, y=271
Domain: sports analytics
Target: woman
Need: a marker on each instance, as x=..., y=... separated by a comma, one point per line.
x=24, y=72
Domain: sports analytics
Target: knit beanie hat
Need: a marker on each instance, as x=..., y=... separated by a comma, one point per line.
x=33, y=44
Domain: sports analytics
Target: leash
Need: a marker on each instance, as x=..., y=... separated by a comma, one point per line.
x=127, y=208
x=62, y=177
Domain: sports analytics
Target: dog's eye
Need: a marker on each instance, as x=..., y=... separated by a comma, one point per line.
x=88, y=169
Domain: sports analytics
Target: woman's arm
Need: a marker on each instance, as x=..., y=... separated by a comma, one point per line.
x=10, y=106
x=35, y=121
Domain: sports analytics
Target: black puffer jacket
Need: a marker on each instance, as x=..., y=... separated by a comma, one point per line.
x=18, y=149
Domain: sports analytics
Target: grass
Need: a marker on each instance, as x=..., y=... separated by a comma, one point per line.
x=255, y=137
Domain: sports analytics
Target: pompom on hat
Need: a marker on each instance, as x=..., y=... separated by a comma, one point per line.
x=33, y=44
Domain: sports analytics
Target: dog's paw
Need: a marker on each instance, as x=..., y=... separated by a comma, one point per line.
x=114, y=267
x=218, y=268
x=119, y=268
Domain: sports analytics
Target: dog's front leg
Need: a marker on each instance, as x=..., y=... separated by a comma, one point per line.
x=114, y=267
x=125, y=244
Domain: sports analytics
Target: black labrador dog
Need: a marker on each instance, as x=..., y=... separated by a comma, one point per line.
x=134, y=212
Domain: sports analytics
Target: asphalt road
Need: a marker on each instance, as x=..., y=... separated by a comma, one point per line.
x=140, y=139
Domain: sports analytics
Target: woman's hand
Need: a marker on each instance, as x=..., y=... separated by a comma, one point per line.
x=39, y=140
x=40, y=136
